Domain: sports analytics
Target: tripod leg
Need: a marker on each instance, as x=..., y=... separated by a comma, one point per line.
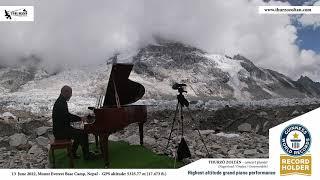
x=172, y=126
x=181, y=118
x=205, y=146
x=176, y=152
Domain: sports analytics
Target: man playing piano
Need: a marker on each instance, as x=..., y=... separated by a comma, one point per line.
x=61, y=125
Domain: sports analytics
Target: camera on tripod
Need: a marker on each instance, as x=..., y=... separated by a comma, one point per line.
x=179, y=87
x=183, y=149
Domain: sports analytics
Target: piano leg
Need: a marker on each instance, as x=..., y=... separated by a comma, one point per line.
x=141, y=133
x=104, y=148
x=97, y=141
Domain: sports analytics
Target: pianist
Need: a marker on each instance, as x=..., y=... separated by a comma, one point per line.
x=61, y=125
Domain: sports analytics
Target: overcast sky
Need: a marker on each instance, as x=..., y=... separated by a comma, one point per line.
x=67, y=32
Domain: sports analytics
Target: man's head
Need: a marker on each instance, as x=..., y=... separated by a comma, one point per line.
x=66, y=92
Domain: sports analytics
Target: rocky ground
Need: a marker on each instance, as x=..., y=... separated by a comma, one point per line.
x=24, y=139
x=230, y=132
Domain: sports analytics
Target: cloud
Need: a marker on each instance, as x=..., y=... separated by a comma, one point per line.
x=311, y=19
x=66, y=33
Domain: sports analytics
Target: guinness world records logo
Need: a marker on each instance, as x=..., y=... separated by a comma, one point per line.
x=295, y=140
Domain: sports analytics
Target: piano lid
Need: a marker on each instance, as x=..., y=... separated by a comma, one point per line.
x=128, y=91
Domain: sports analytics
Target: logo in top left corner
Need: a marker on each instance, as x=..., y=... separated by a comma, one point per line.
x=16, y=13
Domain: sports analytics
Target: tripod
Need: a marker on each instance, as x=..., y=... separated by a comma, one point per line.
x=183, y=102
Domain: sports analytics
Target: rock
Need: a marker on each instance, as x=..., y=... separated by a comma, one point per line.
x=260, y=150
x=24, y=147
x=149, y=141
x=206, y=132
x=35, y=151
x=262, y=113
x=257, y=129
x=164, y=124
x=17, y=140
x=42, y=141
x=265, y=127
x=250, y=152
x=245, y=127
x=235, y=147
x=42, y=130
x=219, y=156
x=231, y=152
x=240, y=155
x=6, y=129
x=8, y=117
x=4, y=142
x=31, y=143
x=214, y=147
x=295, y=113
x=151, y=131
x=51, y=137
x=222, y=134
x=29, y=126
x=133, y=139
x=113, y=138
x=199, y=153
x=224, y=151
x=156, y=135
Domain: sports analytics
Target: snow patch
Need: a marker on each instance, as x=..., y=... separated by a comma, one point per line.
x=232, y=67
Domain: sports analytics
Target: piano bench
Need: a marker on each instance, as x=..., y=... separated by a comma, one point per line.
x=61, y=144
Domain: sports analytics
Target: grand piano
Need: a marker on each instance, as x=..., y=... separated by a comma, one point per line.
x=116, y=112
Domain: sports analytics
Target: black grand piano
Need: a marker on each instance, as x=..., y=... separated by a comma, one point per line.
x=116, y=112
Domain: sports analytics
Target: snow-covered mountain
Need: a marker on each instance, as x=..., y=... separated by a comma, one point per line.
x=157, y=67
x=213, y=76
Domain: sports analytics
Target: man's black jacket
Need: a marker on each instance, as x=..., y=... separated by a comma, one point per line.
x=61, y=117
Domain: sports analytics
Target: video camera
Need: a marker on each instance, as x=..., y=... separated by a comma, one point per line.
x=179, y=87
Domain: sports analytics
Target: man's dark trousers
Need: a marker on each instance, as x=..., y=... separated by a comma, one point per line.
x=78, y=136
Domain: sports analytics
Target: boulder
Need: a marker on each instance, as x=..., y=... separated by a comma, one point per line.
x=6, y=129
x=42, y=130
x=35, y=150
x=17, y=140
x=24, y=147
x=42, y=141
x=8, y=117
x=262, y=113
x=133, y=139
x=149, y=140
x=113, y=138
x=29, y=126
x=295, y=113
x=222, y=134
x=206, y=132
x=245, y=127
